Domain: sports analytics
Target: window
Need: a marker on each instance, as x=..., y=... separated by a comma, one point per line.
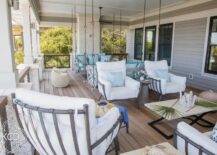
x=138, y=43
x=211, y=58
x=150, y=38
x=165, y=42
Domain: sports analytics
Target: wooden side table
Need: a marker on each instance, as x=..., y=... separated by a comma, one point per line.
x=4, y=123
x=143, y=96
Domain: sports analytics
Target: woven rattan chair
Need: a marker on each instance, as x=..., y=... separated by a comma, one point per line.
x=65, y=125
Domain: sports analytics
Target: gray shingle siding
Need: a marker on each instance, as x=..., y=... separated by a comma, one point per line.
x=188, y=52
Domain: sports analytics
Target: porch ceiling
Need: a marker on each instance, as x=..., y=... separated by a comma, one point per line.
x=129, y=8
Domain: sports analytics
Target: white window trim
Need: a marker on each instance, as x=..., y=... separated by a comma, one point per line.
x=203, y=73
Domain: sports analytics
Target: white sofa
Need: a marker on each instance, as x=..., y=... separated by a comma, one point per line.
x=31, y=104
x=186, y=134
x=161, y=86
x=129, y=90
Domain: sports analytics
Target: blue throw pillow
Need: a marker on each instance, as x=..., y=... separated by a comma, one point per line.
x=92, y=59
x=163, y=74
x=214, y=134
x=105, y=58
x=115, y=78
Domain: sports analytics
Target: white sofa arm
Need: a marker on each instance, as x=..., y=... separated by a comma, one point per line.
x=107, y=128
x=129, y=82
x=104, y=87
x=187, y=133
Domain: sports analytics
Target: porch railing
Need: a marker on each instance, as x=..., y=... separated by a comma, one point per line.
x=24, y=75
x=57, y=60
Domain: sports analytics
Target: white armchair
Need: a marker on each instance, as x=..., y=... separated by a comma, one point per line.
x=65, y=125
x=190, y=141
x=162, y=86
x=130, y=88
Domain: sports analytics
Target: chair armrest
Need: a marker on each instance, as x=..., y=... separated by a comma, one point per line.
x=104, y=87
x=196, y=140
x=157, y=84
x=130, y=82
x=107, y=126
x=178, y=79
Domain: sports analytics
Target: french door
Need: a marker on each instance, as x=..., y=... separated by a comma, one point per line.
x=138, y=43
x=165, y=42
x=150, y=41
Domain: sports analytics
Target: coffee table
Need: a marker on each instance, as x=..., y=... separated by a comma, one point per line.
x=195, y=115
x=166, y=148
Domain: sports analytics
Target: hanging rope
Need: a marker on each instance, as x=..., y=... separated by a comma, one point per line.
x=100, y=27
x=144, y=14
x=93, y=36
x=85, y=36
x=120, y=31
x=113, y=28
x=159, y=16
x=75, y=28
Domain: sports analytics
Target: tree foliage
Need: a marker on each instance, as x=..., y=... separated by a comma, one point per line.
x=113, y=41
x=56, y=40
x=18, y=54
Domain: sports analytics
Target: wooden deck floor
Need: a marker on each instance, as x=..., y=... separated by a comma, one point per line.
x=141, y=134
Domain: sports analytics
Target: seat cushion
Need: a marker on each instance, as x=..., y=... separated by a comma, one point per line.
x=119, y=93
x=163, y=74
x=172, y=87
x=213, y=135
x=115, y=78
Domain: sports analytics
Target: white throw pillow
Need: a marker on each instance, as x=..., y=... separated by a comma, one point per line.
x=214, y=134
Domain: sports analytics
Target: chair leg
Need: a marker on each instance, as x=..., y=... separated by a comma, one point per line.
x=117, y=147
x=160, y=97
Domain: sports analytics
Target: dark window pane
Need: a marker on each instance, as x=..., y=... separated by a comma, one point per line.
x=150, y=36
x=165, y=42
x=138, y=43
x=211, y=58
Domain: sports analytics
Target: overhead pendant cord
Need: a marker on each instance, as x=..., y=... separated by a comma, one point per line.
x=159, y=22
x=85, y=36
x=144, y=14
x=100, y=27
x=113, y=35
x=93, y=49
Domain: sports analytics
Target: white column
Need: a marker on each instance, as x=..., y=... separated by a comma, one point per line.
x=38, y=39
x=7, y=65
x=34, y=41
x=25, y=8
x=81, y=34
x=130, y=43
